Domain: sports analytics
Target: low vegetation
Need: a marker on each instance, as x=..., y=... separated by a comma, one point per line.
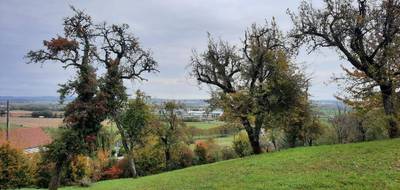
x=370, y=165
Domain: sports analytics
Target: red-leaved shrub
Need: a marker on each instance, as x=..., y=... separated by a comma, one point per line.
x=112, y=173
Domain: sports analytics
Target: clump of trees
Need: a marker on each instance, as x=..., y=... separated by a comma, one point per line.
x=46, y=114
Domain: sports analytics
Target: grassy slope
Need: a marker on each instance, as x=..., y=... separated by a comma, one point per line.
x=371, y=165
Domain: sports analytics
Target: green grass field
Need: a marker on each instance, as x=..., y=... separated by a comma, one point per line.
x=3, y=126
x=370, y=165
x=205, y=124
x=224, y=141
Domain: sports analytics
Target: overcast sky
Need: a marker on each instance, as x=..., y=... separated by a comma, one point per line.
x=170, y=28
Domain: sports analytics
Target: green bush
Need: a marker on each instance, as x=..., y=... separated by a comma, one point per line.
x=43, y=174
x=149, y=158
x=14, y=168
x=241, y=144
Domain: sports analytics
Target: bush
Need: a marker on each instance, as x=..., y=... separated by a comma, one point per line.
x=201, y=151
x=14, y=168
x=112, y=173
x=149, y=158
x=185, y=156
x=228, y=153
x=34, y=166
x=214, y=151
x=81, y=169
x=44, y=174
x=207, y=151
x=241, y=144
x=100, y=163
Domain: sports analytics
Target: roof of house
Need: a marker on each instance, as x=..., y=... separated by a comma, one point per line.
x=25, y=138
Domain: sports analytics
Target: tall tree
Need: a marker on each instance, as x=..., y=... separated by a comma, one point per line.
x=83, y=45
x=84, y=114
x=124, y=59
x=252, y=82
x=367, y=34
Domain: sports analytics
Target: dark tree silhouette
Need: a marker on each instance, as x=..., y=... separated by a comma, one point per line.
x=367, y=34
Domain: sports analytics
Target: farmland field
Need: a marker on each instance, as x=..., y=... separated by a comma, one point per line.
x=32, y=122
x=205, y=124
x=4, y=126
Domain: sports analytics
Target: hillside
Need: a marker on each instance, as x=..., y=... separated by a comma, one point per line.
x=370, y=165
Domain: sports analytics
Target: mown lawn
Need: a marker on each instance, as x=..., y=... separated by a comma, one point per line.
x=205, y=124
x=371, y=165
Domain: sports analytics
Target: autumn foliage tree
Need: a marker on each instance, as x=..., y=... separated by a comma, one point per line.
x=83, y=46
x=124, y=59
x=253, y=81
x=133, y=124
x=367, y=35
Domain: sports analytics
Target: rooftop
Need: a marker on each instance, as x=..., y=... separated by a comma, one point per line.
x=25, y=138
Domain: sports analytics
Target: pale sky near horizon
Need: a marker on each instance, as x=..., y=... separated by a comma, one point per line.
x=170, y=28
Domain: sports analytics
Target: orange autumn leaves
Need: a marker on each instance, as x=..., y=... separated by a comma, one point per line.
x=56, y=45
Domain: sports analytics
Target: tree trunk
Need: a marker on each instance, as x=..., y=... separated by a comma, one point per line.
x=131, y=162
x=274, y=143
x=310, y=142
x=362, y=130
x=388, y=94
x=292, y=141
x=167, y=158
x=55, y=179
x=253, y=134
x=129, y=151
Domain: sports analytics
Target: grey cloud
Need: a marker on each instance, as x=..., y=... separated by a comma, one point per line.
x=170, y=28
